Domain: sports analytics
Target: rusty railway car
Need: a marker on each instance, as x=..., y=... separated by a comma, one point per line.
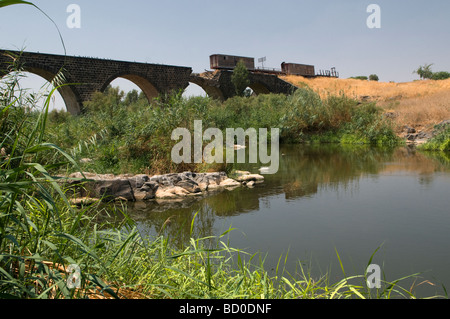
x=229, y=62
x=298, y=69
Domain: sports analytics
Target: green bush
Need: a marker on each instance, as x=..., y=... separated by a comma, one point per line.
x=360, y=77
x=441, y=142
x=441, y=75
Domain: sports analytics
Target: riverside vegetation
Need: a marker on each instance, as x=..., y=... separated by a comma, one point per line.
x=121, y=133
x=42, y=234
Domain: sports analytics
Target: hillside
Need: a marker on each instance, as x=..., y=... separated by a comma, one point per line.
x=417, y=104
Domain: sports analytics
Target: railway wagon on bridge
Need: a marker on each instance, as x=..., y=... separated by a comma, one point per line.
x=298, y=69
x=229, y=62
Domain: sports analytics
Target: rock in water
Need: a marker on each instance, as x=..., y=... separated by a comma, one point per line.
x=144, y=187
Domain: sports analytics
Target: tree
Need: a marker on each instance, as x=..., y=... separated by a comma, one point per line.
x=374, y=77
x=131, y=97
x=443, y=75
x=240, y=78
x=424, y=71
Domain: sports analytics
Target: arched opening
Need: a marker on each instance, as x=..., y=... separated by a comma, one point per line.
x=131, y=92
x=32, y=84
x=200, y=87
x=38, y=82
x=258, y=88
x=130, y=82
x=194, y=90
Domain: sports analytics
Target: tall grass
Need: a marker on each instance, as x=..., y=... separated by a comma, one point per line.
x=40, y=232
x=204, y=270
x=124, y=135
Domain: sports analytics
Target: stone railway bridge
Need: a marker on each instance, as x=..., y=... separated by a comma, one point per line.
x=88, y=75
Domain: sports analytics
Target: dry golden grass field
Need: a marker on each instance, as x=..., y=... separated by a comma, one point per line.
x=418, y=104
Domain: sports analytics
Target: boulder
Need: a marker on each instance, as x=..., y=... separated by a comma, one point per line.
x=109, y=190
x=171, y=192
x=138, y=181
x=107, y=187
x=250, y=178
x=189, y=185
x=409, y=130
x=229, y=183
x=250, y=184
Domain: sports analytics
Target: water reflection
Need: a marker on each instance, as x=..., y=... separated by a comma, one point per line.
x=329, y=197
x=304, y=171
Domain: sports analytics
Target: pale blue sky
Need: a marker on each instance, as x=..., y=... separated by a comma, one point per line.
x=325, y=33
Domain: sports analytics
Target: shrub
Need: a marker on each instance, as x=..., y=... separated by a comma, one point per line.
x=440, y=75
x=440, y=142
x=360, y=77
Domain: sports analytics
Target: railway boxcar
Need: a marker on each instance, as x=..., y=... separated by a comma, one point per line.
x=298, y=69
x=221, y=61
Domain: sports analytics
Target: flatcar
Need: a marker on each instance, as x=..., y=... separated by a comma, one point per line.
x=229, y=62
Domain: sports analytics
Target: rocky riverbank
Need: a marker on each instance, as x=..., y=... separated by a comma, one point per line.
x=87, y=188
x=419, y=137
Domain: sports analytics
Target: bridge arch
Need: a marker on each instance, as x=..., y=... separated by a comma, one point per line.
x=213, y=91
x=149, y=90
x=68, y=92
x=193, y=90
x=259, y=88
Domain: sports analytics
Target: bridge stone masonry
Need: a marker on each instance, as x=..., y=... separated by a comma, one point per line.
x=89, y=75
x=86, y=76
x=217, y=84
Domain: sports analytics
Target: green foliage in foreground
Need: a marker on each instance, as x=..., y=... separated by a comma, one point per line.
x=125, y=134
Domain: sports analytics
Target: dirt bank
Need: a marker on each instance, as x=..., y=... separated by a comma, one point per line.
x=415, y=107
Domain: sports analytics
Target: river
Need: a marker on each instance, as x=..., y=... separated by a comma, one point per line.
x=327, y=199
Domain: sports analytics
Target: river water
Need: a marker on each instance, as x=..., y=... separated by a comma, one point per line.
x=327, y=199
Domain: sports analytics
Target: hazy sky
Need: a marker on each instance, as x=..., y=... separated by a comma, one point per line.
x=325, y=33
